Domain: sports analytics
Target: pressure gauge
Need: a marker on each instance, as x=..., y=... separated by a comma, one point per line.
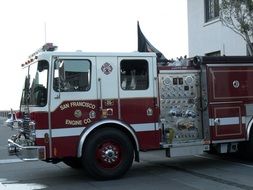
x=189, y=80
x=167, y=81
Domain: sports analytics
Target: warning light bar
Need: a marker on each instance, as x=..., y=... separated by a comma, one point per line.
x=45, y=47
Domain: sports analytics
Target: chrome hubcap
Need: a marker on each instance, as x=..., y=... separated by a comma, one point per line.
x=110, y=154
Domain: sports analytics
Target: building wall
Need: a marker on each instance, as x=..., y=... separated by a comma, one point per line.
x=212, y=36
x=4, y=113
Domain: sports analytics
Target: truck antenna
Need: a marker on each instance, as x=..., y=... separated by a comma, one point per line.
x=45, y=32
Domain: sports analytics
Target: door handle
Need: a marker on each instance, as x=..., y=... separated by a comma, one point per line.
x=100, y=93
x=216, y=121
x=58, y=96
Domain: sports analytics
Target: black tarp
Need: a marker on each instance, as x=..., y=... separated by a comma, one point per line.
x=145, y=46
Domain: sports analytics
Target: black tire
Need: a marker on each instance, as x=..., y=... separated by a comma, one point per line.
x=246, y=148
x=250, y=145
x=75, y=163
x=107, y=154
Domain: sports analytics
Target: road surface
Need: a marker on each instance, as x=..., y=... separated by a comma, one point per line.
x=155, y=171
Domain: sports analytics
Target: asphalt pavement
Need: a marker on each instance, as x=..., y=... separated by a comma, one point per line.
x=155, y=171
x=5, y=133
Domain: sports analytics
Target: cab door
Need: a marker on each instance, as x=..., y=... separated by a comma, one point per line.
x=73, y=102
x=138, y=96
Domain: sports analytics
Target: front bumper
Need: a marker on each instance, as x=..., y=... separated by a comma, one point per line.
x=26, y=153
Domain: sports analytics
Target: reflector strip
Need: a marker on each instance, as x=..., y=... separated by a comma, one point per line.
x=227, y=121
x=68, y=132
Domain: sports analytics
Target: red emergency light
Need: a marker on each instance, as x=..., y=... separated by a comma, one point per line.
x=45, y=47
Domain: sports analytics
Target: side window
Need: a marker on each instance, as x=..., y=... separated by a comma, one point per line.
x=211, y=10
x=72, y=75
x=134, y=74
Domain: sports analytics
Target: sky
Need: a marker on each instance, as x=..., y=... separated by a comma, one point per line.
x=87, y=25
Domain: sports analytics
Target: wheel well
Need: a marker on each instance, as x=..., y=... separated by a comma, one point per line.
x=250, y=129
x=121, y=128
x=250, y=135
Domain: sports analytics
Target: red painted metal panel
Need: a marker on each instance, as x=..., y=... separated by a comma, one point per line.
x=41, y=119
x=149, y=140
x=232, y=121
x=67, y=146
x=41, y=142
x=135, y=110
x=73, y=114
x=230, y=83
x=229, y=89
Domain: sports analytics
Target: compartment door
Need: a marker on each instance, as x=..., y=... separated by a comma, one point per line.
x=227, y=121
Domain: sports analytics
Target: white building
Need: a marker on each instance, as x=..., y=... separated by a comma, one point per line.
x=207, y=35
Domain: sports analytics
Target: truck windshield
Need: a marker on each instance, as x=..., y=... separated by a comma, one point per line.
x=35, y=88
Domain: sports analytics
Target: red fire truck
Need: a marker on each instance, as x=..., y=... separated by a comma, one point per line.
x=99, y=110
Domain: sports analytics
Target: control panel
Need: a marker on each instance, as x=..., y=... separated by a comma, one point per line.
x=180, y=105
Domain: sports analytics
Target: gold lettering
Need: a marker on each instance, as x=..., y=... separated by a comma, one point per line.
x=83, y=104
x=87, y=121
x=64, y=106
x=73, y=104
x=73, y=122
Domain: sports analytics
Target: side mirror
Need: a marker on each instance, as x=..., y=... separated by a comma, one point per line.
x=59, y=76
x=11, y=119
x=9, y=123
x=61, y=71
x=61, y=64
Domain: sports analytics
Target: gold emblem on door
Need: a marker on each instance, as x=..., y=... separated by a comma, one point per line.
x=149, y=112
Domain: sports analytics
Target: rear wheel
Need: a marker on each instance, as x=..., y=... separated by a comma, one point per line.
x=108, y=154
x=246, y=148
x=250, y=145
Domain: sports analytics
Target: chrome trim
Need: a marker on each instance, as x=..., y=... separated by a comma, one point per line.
x=100, y=93
x=184, y=144
x=27, y=153
x=223, y=121
x=119, y=88
x=204, y=102
x=228, y=141
x=77, y=131
x=98, y=124
x=188, y=150
x=249, y=126
x=156, y=90
x=50, y=86
x=230, y=65
x=232, y=102
x=217, y=122
x=179, y=71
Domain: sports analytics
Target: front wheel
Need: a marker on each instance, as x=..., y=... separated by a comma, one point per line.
x=107, y=154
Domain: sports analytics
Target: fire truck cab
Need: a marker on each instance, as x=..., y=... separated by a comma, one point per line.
x=98, y=110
